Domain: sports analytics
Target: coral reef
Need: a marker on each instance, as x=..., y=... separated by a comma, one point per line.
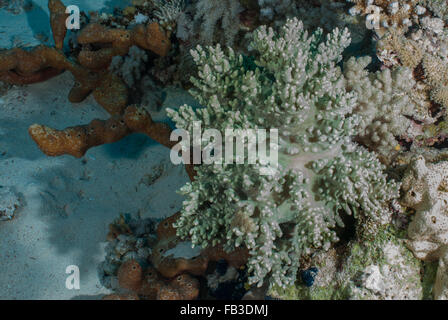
x=172, y=257
x=154, y=263
x=18, y=66
x=425, y=188
x=351, y=200
x=380, y=269
x=127, y=269
x=390, y=105
x=220, y=16
x=382, y=15
x=131, y=67
x=77, y=140
x=288, y=214
x=148, y=285
x=438, y=7
x=426, y=47
x=149, y=37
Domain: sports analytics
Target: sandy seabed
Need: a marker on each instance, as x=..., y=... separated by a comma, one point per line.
x=66, y=204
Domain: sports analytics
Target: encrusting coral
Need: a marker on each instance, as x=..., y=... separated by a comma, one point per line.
x=379, y=268
x=218, y=15
x=425, y=188
x=292, y=84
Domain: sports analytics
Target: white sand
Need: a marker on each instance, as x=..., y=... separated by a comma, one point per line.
x=67, y=202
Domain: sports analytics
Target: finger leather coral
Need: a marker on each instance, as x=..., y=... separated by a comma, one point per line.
x=292, y=84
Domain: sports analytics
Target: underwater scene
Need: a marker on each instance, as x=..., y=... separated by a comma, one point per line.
x=223, y=150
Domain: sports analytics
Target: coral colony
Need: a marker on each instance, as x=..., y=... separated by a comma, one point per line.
x=341, y=106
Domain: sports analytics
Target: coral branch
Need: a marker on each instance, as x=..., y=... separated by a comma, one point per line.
x=151, y=37
x=139, y=120
x=77, y=140
x=58, y=18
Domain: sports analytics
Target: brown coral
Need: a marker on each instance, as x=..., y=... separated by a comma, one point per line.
x=138, y=120
x=77, y=140
x=151, y=37
x=148, y=284
x=124, y=296
x=170, y=266
x=58, y=18
x=18, y=66
x=130, y=275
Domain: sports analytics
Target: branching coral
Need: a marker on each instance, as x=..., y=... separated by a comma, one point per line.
x=131, y=67
x=168, y=12
x=212, y=16
x=436, y=72
x=20, y=67
x=425, y=51
x=77, y=140
x=292, y=85
x=384, y=14
x=438, y=7
x=427, y=44
x=425, y=188
x=149, y=37
x=389, y=107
